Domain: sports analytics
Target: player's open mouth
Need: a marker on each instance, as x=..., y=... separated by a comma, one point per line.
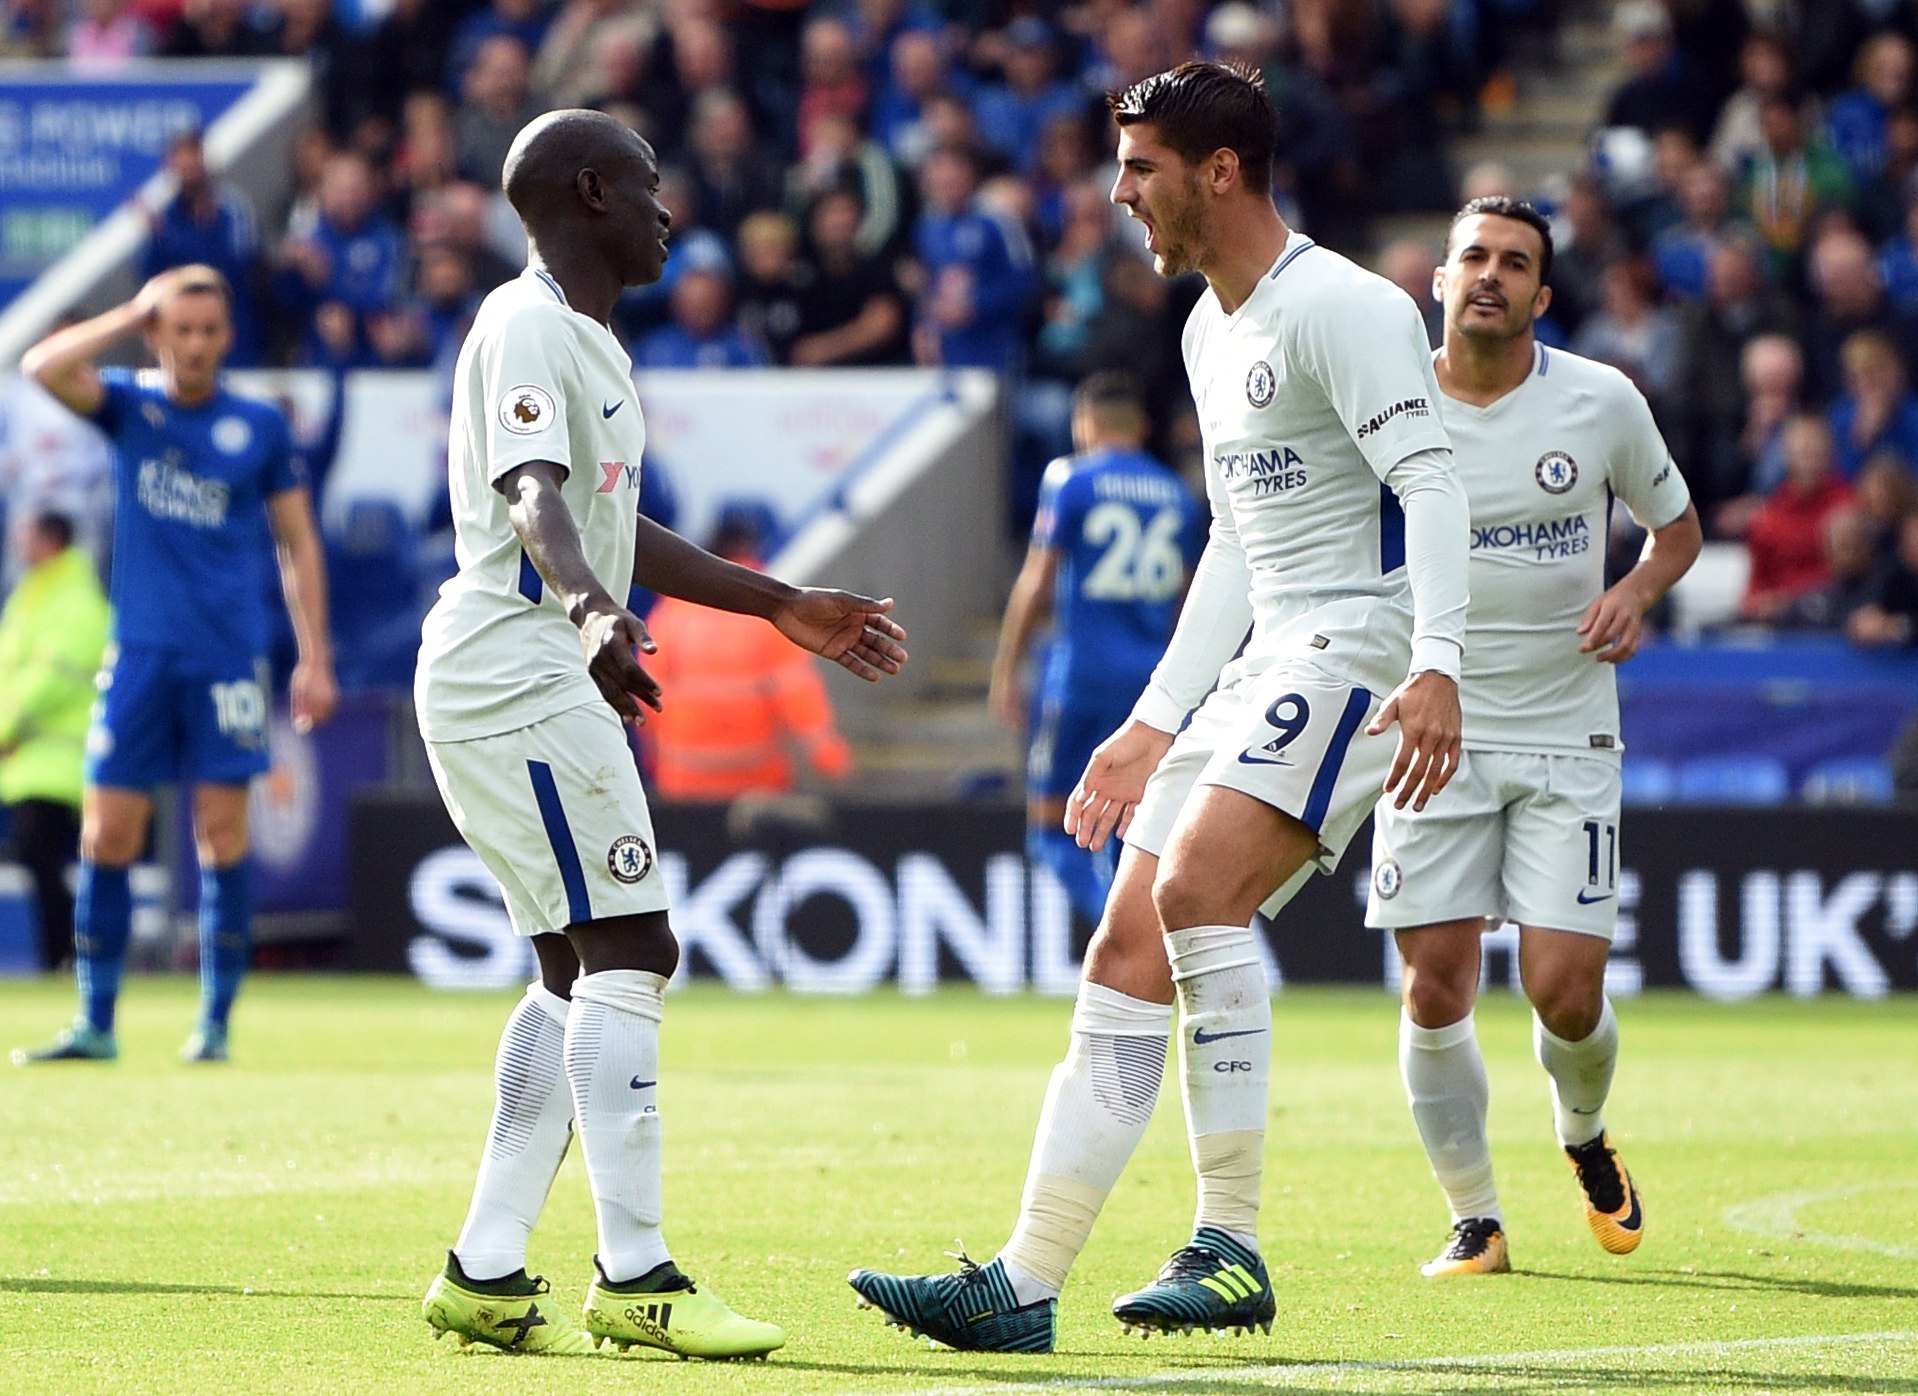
x=1486, y=301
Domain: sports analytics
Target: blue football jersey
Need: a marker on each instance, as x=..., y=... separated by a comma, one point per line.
x=190, y=538
x=1127, y=531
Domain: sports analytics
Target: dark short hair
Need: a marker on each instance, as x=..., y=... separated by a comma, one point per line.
x=56, y=527
x=1519, y=210
x=1200, y=107
x=1109, y=386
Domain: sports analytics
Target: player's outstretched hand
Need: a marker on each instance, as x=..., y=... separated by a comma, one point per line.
x=852, y=631
x=609, y=634
x=1106, y=795
x=1614, y=625
x=1425, y=707
x=315, y=693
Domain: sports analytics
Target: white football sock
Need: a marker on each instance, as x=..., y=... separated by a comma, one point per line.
x=612, y=1062
x=1581, y=1075
x=1225, y=1059
x=532, y=1125
x=1097, y=1106
x=1445, y=1083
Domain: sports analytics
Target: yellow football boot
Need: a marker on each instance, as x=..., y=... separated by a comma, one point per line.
x=512, y=1314
x=1612, y=1207
x=1477, y=1247
x=665, y=1310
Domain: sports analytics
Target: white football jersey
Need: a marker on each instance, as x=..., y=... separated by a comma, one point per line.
x=1308, y=395
x=1541, y=467
x=536, y=380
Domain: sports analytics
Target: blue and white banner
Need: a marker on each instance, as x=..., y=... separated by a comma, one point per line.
x=72, y=149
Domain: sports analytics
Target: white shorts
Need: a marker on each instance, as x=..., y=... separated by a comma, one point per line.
x=557, y=814
x=1292, y=737
x=1516, y=836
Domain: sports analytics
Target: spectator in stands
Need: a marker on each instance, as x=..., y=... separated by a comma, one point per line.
x=834, y=82
x=978, y=273
x=1681, y=254
x=1632, y=332
x=1851, y=561
x=1662, y=90
x=772, y=280
x=1067, y=157
x=701, y=332
x=917, y=70
x=853, y=313
x=1898, y=261
x=695, y=247
x=1075, y=284
x=1013, y=114
x=844, y=158
x=522, y=21
x=1786, y=537
x=52, y=462
x=220, y=29
x=735, y=175
x=347, y=265
x=53, y=632
x=1708, y=400
x=406, y=54
x=1765, y=63
x=1790, y=180
x=210, y=223
x=427, y=156
x=1885, y=493
x=457, y=216
x=1772, y=372
x=593, y=50
x=1586, y=240
x=741, y=706
x=697, y=58
x=1857, y=123
x=1133, y=45
x=426, y=329
x=105, y=36
x=1849, y=298
x=1877, y=411
x=496, y=100
x=1408, y=264
x=1891, y=616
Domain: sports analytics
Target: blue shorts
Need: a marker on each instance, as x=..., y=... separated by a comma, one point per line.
x=1064, y=732
x=165, y=716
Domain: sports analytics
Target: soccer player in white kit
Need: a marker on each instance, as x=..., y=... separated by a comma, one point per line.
x=1528, y=830
x=1338, y=542
x=526, y=669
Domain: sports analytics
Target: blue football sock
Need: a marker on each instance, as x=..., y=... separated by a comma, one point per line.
x=1087, y=877
x=102, y=922
x=226, y=938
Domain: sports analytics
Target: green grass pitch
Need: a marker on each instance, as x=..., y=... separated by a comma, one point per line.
x=269, y=1226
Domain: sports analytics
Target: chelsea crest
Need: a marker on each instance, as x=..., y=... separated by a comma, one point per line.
x=1260, y=384
x=1556, y=472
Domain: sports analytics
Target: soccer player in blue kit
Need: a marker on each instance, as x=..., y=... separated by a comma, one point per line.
x=200, y=473
x=1115, y=540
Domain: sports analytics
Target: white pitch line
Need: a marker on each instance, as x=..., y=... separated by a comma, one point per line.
x=1778, y=1216
x=1277, y=1370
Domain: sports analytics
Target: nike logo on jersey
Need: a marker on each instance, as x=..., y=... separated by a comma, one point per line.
x=1261, y=756
x=1202, y=1038
x=1584, y=900
x=640, y=1085
x=617, y=471
x=607, y=412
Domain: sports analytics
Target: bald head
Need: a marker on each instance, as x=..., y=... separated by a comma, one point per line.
x=586, y=187
x=542, y=170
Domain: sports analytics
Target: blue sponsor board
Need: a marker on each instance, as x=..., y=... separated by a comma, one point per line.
x=72, y=150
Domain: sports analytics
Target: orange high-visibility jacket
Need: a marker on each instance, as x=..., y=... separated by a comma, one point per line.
x=739, y=697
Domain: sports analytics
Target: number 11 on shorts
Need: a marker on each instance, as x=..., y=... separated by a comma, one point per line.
x=1607, y=868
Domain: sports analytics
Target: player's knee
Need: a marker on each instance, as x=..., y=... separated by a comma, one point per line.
x=1435, y=999
x=1568, y=1001
x=1184, y=896
x=112, y=843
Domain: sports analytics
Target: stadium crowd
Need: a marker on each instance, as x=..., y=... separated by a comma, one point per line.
x=925, y=181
